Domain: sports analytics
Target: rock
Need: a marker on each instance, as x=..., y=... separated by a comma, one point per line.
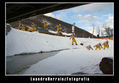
x=8, y=29
x=78, y=73
x=81, y=44
x=106, y=65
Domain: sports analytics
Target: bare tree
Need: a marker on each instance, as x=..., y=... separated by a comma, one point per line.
x=98, y=30
x=108, y=31
x=93, y=30
x=111, y=31
x=101, y=31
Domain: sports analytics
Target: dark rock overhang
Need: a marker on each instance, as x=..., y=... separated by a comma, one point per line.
x=18, y=11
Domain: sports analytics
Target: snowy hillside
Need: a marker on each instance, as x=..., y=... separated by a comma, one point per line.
x=18, y=41
x=74, y=59
x=22, y=42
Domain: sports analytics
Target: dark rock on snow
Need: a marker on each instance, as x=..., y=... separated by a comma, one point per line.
x=81, y=44
x=8, y=29
x=106, y=65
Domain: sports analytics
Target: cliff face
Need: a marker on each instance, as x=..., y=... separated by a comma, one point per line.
x=52, y=25
x=8, y=28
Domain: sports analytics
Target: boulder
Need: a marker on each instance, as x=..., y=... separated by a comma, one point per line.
x=106, y=65
x=78, y=73
x=81, y=44
x=8, y=29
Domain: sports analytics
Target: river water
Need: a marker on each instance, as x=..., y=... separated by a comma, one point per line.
x=17, y=64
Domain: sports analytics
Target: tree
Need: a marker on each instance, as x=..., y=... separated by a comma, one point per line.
x=98, y=31
x=111, y=31
x=108, y=31
x=102, y=34
x=93, y=30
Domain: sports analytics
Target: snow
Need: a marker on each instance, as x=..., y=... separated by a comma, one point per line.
x=71, y=61
x=18, y=41
x=62, y=32
x=74, y=59
x=52, y=31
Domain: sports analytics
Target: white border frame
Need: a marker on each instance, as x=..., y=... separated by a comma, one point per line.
x=51, y=74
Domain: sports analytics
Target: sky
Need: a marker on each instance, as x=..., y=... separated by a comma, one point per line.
x=87, y=16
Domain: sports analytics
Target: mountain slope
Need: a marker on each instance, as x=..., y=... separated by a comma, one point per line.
x=52, y=25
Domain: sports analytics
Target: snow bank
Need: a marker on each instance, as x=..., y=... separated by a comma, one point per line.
x=65, y=62
x=18, y=41
x=62, y=32
x=71, y=61
x=52, y=31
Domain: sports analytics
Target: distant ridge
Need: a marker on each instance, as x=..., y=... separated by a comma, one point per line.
x=66, y=27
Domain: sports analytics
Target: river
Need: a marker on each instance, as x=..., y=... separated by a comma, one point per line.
x=17, y=64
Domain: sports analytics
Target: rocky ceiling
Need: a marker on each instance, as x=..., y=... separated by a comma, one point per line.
x=17, y=11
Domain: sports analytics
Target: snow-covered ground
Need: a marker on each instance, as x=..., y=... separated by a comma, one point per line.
x=62, y=32
x=18, y=41
x=70, y=61
x=76, y=59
